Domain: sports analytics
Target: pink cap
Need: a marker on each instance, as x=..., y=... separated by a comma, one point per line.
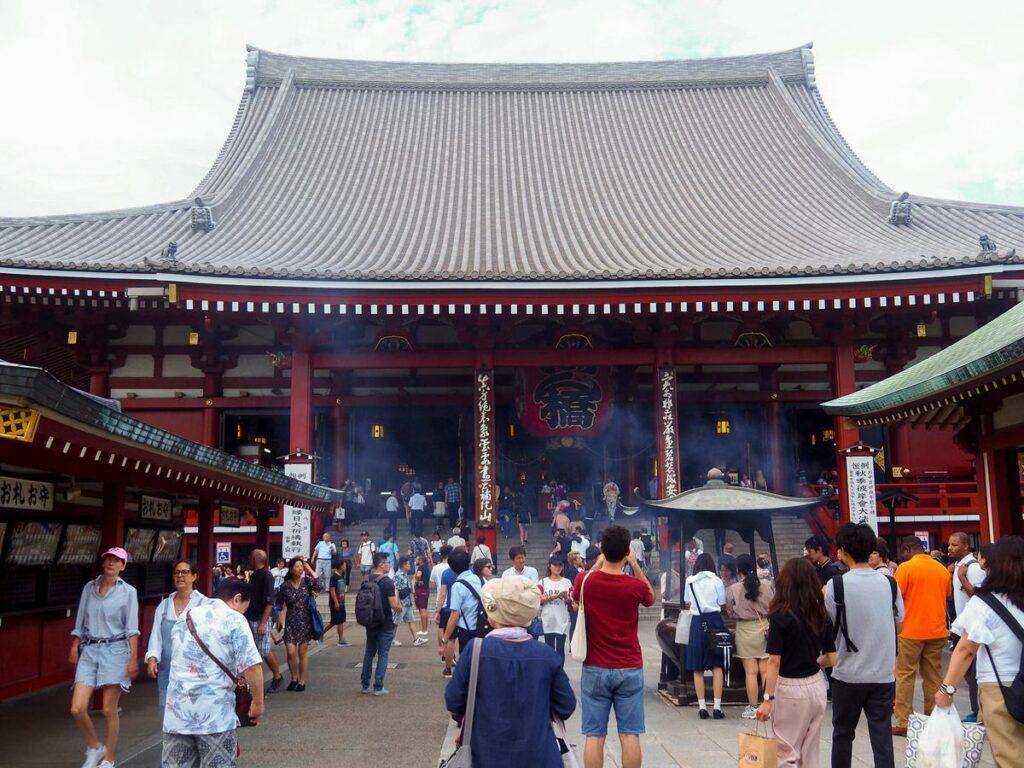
x=117, y=552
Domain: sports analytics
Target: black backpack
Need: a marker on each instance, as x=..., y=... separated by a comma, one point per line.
x=839, y=593
x=483, y=625
x=1013, y=695
x=369, y=604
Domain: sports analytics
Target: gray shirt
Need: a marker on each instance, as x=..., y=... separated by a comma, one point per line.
x=115, y=614
x=870, y=624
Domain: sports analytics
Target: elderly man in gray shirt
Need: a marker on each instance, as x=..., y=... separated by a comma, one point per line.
x=867, y=610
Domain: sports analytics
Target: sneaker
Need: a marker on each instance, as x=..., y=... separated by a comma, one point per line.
x=396, y=642
x=365, y=690
x=381, y=692
x=275, y=683
x=344, y=643
x=105, y=764
x=718, y=714
x=421, y=641
x=93, y=756
x=446, y=673
x=750, y=713
x=703, y=713
x=421, y=634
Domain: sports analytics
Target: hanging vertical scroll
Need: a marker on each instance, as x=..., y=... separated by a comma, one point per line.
x=860, y=489
x=485, y=448
x=668, y=436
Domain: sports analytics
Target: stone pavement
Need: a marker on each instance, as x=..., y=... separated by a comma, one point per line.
x=331, y=724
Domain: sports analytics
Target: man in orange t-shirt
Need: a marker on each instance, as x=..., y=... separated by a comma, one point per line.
x=926, y=586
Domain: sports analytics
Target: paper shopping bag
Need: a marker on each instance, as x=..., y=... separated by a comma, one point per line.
x=757, y=751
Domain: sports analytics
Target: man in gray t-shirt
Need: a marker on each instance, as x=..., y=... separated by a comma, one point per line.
x=867, y=621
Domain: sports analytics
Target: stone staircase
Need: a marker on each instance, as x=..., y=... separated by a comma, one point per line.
x=790, y=534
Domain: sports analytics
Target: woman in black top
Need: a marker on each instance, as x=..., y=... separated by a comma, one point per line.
x=800, y=645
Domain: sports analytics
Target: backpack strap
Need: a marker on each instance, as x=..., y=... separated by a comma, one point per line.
x=839, y=594
x=479, y=600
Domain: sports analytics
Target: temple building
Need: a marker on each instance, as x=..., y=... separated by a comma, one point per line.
x=551, y=277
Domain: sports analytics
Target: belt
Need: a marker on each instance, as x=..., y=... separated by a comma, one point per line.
x=101, y=640
x=322, y=559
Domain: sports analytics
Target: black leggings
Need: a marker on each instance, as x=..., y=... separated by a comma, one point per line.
x=557, y=641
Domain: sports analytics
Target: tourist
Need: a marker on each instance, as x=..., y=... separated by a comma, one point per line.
x=323, y=557
x=800, y=645
x=816, y=549
x=727, y=573
x=519, y=567
x=981, y=623
x=367, y=549
x=421, y=593
x=524, y=682
x=745, y=481
x=705, y=594
x=419, y=547
x=694, y=548
x=337, y=587
x=506, y=511
x=613, y=671
x=199, y=725
x=926, y=586
x=865, y=625
x=481, y=550
x=405, y=615
x=392, y=510
x=747, y=601
x=279, y=573
x=560, y=520
x=435, y=547
x=380, y=637
x=967, y=575
x=554, y=606
x=560, y=548
x=879, y=559
x=524, y=519
x=483, y=568
x=764, y=566
x=637, y=545
x=727, y=559
x=453, y=501
x=347, y=555
x=456, y=539
x=463, y=605
x=258, y=613
x=158, y=653
x=390, y=548
x=104, y=653
x=580, y=542
x=294, y=618
x=417, y=511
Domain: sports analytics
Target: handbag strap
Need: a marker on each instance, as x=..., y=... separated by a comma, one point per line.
x=582, y=585
x=695, y=600
x=474, y=670
x=202, y=645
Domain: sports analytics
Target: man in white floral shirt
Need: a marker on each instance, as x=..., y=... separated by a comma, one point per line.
x=199, y=720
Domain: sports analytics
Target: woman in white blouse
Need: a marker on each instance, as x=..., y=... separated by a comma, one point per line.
x=705, y=593
x=988, y=620
x=158, y=654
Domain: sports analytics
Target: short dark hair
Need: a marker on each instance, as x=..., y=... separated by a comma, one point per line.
x=704, y=562
x=445, y=551
x=403, y=560
x=380, y=557
x=858, y=540
x=817, y=542
x=882, y=548
x=479, y=564
x=232, y=586
x=458, y=560
x=615, y=543
x=912, y=544
x=481, y=539
x=515, y=552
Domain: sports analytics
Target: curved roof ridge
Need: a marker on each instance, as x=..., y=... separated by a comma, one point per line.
x=75, y=218
x=271, y=67
x=967, y=205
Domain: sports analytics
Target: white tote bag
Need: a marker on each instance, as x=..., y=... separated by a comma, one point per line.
x=578, y=644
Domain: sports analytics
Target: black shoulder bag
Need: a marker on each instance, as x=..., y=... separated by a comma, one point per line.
x=243, y=696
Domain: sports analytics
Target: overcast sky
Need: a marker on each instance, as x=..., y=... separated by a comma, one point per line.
x=110, y=103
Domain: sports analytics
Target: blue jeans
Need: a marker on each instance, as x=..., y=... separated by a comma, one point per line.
x=378, y=643
x=606, y=688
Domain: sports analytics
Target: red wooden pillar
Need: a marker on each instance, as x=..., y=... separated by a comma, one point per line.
x=99, y=380
x=300, y=430
x=339, y=428
x=263, y=529
x=211, y=416
x=667, y=429
x=485, y=455
x=899, y=450
x=204, y=553
x=844, y=381
x=776, y=461
x=112, y=522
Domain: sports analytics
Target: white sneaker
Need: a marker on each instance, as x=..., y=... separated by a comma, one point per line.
x=421, y=634
x=750, y=712
x=420, y=641
x=105, y=764
x=93, y=756
x=396, y=642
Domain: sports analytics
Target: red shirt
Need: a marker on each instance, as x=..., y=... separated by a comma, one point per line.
x=611, y=607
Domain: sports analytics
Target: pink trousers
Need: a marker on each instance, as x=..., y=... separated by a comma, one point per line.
x=796, y=719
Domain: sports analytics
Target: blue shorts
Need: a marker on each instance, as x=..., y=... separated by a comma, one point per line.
x=101, y=664
x=603, y=689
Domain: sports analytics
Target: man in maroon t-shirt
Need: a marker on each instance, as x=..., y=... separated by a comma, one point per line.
x=613, y=673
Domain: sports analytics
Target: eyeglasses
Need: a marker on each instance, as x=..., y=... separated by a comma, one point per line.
x=183, y=573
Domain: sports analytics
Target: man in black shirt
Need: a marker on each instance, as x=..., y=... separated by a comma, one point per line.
x=817, y=552
x=379, y=638
x=258, y=613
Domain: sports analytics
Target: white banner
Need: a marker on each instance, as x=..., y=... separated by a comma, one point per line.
x=295, y=536
x=860, y=489
x=18, y=493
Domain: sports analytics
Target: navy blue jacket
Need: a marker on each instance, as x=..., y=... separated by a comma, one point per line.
x=520, y=685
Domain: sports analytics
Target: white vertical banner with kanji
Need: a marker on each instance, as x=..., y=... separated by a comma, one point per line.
x=860, y=490
x=485, y=449
x=295, y=540
x=668, y=435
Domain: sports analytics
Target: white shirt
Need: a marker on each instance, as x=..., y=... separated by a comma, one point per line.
x=435, y=577
x=581, y=547
x=982, y=625
x=392, y=504
x=480, y=551
x=638, y=549
x=366, y=550
x=456, y=541
x=975, y=575
x=166, y=611
x=710, y=593
x=324, y=550
x=528, y=572
x=200, y=697
x=417, y=501
x=555, y=615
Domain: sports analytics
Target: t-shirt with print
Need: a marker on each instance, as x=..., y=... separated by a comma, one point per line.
x=799, y=651
x=611, y=607
x=402, y=582
x=366, y=550
x=200, y=697
x=870, y=624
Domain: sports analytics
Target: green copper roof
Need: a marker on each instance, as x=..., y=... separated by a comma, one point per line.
x=989, y=349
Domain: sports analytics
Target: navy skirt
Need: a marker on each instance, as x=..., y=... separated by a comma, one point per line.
x=698, y=657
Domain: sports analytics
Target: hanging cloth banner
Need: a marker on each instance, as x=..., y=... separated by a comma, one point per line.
x=860, y=488
x=563, y=401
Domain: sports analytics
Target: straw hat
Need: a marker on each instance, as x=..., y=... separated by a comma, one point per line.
x=512, y=601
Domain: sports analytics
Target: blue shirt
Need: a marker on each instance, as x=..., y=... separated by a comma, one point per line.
x=447, y=580
x=520, y=685
x=464, y=601
x=391, y=549
x=452, y=493
x=115, y=614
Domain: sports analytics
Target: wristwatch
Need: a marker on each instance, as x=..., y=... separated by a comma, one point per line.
x=949, y=690
x=769, y=697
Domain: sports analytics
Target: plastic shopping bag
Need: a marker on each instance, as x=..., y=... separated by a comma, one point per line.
x=941, y=744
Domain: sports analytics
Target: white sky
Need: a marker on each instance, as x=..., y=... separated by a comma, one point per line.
x=111, y=103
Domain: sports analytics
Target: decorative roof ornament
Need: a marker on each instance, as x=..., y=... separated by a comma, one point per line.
x=988, y=245
x=252, y=62
x=899, y=211
x=807, y=56
x=168, y=258
x=202, y=216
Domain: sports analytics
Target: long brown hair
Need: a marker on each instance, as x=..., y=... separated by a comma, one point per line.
x=798, y=589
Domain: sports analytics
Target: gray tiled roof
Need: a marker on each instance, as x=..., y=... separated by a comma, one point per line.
x=391, y=171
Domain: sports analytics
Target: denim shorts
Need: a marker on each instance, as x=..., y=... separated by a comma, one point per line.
x=101, y=664
x=603, y=689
